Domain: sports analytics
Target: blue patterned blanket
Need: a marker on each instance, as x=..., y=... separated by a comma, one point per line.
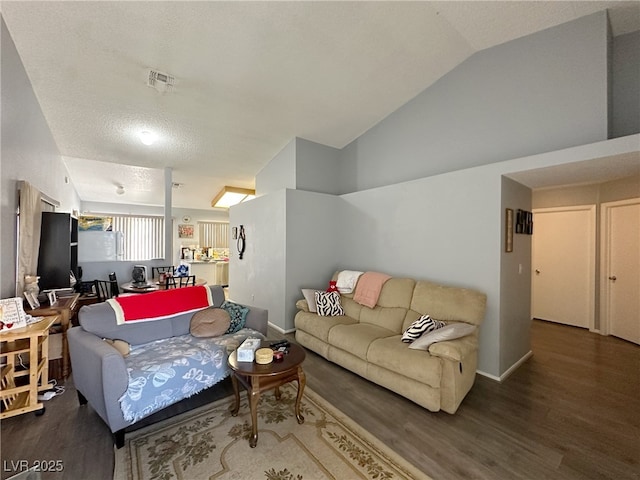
x=166, y=371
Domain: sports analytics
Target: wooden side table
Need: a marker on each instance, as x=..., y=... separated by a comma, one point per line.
x=34, y=341
x=65, y=308
x=257, y=378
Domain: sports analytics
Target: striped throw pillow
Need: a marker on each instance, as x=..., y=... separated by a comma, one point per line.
x=424, y=324
x=328, y=304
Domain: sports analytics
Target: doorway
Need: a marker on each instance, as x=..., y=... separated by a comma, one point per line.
x=620, y=285
x=563, y=265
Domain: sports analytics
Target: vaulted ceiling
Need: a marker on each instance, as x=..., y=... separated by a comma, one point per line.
x=249, y=76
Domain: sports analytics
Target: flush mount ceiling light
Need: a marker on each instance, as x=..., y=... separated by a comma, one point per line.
x=229, y=196
x=120, y=190
x=147, y=137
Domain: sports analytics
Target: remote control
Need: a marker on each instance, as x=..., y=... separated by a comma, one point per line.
x=278, y=344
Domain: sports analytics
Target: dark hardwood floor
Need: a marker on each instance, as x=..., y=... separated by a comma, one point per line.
x=570, y=412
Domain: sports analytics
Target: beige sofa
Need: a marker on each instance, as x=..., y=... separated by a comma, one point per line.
x=367, y=341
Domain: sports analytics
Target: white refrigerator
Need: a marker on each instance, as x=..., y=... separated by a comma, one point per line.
x=99, y=246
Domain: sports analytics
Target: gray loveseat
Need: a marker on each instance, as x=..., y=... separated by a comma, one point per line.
x=160, y=354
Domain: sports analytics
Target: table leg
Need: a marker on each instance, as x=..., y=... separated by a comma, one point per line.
x=277, y=392
x=254, y=398
x=301, y=383
x=236, y=392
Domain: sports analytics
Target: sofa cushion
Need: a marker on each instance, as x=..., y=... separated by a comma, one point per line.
x=351, y=308
x=449, y=303
x=422, y=325
x=356, y=338
x=210, y=322
x=100, y=319
x=449, y=332
x=397, y=292
x=390, y=318
x=318, y=326
x=328, y=304
x=392, y=354
x=121, y=346
x=310, y=296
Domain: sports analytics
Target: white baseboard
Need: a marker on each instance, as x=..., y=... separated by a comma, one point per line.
x=284, y=332
x=509, y=371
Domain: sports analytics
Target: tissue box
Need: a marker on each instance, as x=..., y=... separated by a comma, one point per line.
x=246, y=352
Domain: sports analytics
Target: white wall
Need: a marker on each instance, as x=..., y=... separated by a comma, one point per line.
x=28, y=152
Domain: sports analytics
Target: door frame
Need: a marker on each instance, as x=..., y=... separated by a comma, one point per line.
x=605, y=260
x=591, y=208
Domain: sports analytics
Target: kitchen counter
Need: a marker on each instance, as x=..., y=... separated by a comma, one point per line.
x=215, y=272
x=186, y=262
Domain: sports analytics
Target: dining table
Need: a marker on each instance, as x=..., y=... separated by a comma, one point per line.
x=152, y=285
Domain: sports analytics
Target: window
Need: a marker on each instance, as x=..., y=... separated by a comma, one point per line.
x=213, y=234
x=143, y=236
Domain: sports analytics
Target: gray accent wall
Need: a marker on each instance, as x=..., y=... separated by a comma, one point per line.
x=515, y=280
x=318, y=167
x=280, y=172
x=29, y=152
x=539, y=93
x=292, y=243
x=625, y=85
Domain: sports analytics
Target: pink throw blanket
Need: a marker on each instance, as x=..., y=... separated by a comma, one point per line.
x=145, y=307
x=368, y=288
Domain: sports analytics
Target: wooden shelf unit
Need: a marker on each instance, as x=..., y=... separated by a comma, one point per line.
x=34, y=340
x=66, y=308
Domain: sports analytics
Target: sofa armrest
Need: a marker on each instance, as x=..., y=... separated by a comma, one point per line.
x=100, y=374
x=258, y=319
x=302, y=305
x=456, y=350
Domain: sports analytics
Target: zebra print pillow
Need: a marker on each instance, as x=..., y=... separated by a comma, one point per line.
x=424, y=324
x=328, y=304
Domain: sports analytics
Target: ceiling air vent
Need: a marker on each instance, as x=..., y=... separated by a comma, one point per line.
x=162, y=82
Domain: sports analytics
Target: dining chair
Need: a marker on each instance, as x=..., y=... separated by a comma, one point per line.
x=104, y=289
x=179, y=282
x=156, y=271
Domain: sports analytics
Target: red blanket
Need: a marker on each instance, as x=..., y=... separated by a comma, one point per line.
x=161, y=304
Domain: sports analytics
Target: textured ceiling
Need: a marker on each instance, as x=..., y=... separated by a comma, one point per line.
x=250, y=76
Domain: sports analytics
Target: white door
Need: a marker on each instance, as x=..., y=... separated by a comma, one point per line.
x=563, y=265
x=621, y=269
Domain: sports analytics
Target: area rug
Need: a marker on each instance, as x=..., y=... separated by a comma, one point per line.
x=208, y=443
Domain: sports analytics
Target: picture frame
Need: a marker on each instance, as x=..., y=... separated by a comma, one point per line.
x=185, y=231
x=53, y=298
x=508, y=228
x=32, y=300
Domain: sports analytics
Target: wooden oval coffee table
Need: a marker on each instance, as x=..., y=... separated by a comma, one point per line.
x=257, y=378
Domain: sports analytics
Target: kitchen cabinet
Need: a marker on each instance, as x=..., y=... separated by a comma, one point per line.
x=58, y=254
x=215, y=273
